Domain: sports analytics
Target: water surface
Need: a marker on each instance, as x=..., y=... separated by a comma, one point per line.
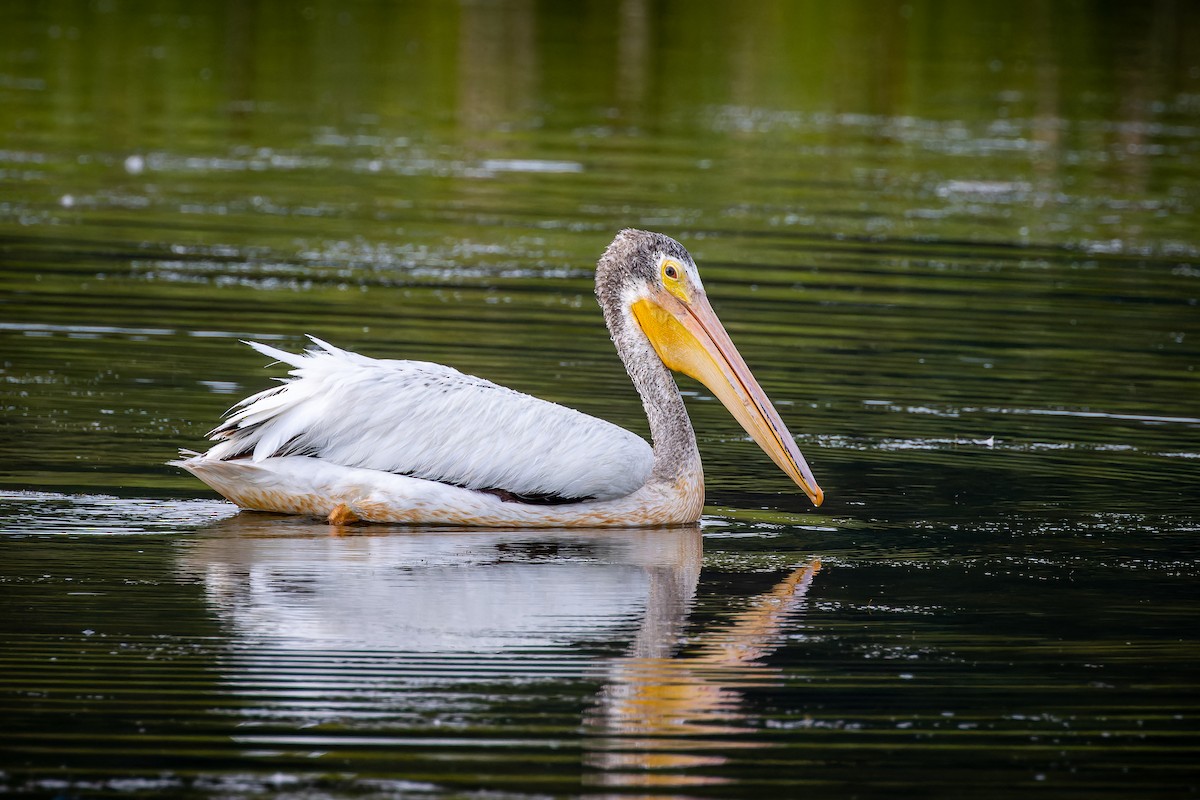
x=957, y=245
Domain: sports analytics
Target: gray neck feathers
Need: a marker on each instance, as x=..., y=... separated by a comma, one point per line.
x=675, y=451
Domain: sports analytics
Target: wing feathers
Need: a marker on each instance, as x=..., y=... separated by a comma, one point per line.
x=434, y=422
x=279, y=355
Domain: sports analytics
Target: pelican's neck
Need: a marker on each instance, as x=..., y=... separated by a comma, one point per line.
x=676, y=456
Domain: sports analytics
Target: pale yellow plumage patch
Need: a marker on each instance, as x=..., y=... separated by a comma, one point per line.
x=306, y=486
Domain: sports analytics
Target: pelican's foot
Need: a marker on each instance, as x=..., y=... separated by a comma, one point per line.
x=342, y=515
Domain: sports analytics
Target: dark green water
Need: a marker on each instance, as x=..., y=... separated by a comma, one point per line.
x=956, y=242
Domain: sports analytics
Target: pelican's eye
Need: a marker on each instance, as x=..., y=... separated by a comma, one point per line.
x=672, y=278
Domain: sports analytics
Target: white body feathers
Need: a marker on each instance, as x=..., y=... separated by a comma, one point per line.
x=431, y=421
x=409, y=441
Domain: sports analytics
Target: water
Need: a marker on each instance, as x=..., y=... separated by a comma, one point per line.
x=957, y=245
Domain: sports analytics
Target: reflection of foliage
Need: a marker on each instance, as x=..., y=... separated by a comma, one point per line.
x=940, y=106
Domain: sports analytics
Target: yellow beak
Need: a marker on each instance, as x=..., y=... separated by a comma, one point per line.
x=690, y=339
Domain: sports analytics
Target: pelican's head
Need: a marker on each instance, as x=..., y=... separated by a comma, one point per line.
x=654, y=278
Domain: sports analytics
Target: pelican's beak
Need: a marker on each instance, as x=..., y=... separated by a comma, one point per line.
x=690, y=339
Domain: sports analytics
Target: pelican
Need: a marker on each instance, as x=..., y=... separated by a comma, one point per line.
x=352, y=438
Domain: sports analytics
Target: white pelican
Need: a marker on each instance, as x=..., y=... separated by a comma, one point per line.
x=355, y=438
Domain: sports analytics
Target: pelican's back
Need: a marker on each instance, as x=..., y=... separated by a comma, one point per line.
x=434, y=422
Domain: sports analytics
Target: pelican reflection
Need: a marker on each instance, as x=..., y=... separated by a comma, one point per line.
x=289, y=586
x=662, y=713
x=391, y=623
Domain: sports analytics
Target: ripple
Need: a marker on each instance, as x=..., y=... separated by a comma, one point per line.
x=24, y=513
